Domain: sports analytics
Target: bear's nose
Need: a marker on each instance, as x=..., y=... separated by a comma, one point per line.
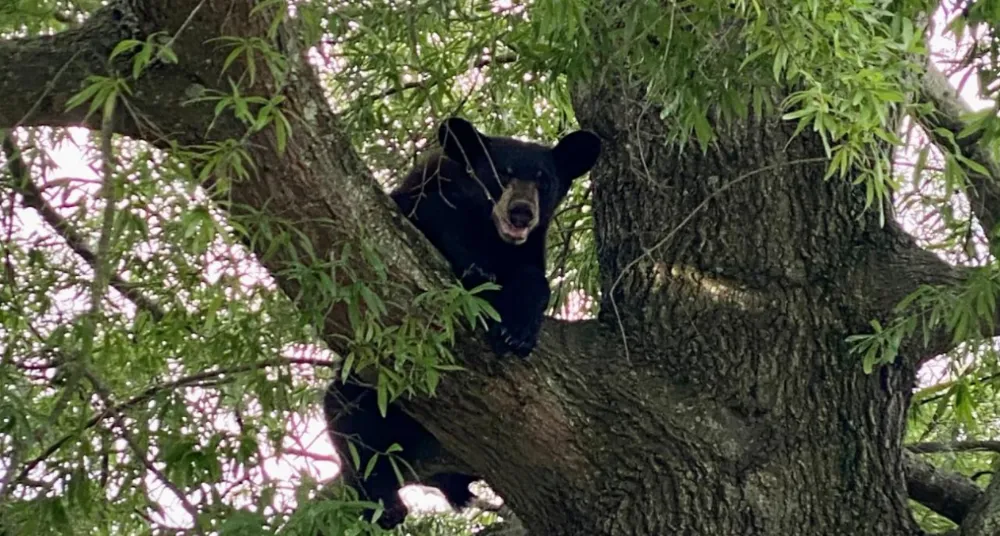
x=520, y=215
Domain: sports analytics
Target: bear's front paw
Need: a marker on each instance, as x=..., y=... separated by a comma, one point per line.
x=519, y=340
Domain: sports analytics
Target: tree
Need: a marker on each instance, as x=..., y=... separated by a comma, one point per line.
x=743, y=231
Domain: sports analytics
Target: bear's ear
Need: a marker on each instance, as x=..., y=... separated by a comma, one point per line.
x=461, y=141
x=576, y=153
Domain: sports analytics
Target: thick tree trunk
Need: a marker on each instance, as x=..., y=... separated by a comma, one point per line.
x=715, y=395
x=738, y=285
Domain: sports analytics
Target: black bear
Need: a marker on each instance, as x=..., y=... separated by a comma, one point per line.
x=486, y=203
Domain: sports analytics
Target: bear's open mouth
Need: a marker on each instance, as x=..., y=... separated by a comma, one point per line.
x=509, y=233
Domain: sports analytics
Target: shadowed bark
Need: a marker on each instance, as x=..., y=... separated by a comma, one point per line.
x=984, y=519
x=715, y=395
x=948, y=494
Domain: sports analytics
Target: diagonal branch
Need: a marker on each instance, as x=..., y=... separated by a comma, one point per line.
x=23, y=184
x=949, y=494
x=319, y=185
x=141, y=452
x=156, y=390
x=38, y=76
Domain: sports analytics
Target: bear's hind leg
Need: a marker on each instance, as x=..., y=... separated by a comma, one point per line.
x=352, y=416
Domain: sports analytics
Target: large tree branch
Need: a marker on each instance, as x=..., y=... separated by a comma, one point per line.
x=39, y=75
x=887, y=275
x=949, y=494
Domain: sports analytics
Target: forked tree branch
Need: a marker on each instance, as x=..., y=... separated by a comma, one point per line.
x=896, y=276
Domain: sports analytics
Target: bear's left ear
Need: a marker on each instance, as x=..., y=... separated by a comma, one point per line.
x=576, y=153
x=461, y=141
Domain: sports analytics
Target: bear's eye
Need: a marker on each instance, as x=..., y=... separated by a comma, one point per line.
x=543, y=181
x=506, y=174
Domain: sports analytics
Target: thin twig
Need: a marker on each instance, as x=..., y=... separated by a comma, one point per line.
x=956, y=446
x=99, y=284
x=428, y=83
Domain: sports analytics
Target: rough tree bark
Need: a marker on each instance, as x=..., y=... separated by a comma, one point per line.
x=715, y=395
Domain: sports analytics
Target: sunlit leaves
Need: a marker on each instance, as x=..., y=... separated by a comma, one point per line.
x=102, y=92
x=251, y=51
x=156, y=46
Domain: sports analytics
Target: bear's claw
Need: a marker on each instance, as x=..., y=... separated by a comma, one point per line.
x=520, y=342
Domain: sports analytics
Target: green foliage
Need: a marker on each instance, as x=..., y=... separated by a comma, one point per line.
x=183, y=351
x=445, y=524
x=206, y=380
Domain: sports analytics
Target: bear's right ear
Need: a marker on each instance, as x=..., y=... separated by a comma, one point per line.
x=576, y=153
x=461, y=141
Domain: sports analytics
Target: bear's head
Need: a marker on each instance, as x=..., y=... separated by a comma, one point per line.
x=525, y=181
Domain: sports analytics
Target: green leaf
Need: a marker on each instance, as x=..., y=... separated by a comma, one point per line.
x=87, y=93
x=973, y=165
x=370, y=466
x=123, y=46
x=703, y=130
x=382, y=395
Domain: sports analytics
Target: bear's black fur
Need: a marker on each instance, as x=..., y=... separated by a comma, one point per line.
x=486, y=203
x=352, y=415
